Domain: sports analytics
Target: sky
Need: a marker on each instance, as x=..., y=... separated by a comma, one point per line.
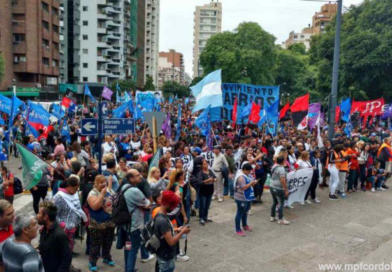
x=278, y=17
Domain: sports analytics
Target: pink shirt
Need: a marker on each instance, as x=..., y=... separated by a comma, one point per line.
x=59, y=149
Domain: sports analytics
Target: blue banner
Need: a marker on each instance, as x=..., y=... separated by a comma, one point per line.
x=262, y=95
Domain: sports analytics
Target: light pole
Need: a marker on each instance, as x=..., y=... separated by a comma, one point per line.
x=335, y=73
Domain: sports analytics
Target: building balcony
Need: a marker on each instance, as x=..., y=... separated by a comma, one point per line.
x=46, y=16
x=55, y=20
x=46, y=52
x=20, y=67
x=102, y=2
x=56, y=54
x=46, y=70
x=101, y=72
x=19, y=47
x=19, y=7
x=102, y=44
x=55, y=37
x=101, y=30
x=102, y=16
x=45, y=34
x=56, y=4
x=18, y=27
x=56, y=71
x=102, y=59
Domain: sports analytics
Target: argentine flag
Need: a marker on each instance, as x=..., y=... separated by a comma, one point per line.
x=208, y=92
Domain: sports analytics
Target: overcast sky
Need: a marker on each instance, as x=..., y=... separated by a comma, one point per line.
x=279, y=17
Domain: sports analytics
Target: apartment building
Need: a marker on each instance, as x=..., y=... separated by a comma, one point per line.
x=30, y=42
x=302, y=37
x=171, y=68
x=207, y=22
x=322, y=18
x=151, y=53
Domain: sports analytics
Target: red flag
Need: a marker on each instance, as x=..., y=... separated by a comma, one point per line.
x=66, y=102
x=299, y=110
x=337, y=114
x=234, y=115
x=368, y=108
x=45, y=130
x=284, y=110
x=254, y=116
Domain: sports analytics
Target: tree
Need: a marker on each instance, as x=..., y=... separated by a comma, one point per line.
x=149, y=85
x=125, y=85
x=1, y=68
x=174, y=88
x=366, y=57
x=246, y=55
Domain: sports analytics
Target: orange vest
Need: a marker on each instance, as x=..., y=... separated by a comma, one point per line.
x=344, y=165
x=336, y=156
x=154, y=213
x=382, y=146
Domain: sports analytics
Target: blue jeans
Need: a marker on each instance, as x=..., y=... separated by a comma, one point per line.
x=205, y=202
x=131, y=255
x=362, y=174
x=197, y=202
x=229, y=189
x=278, y=198
x=166, y=266
x=242, y=214
x=143, y=251
x=352, y=179
x=380, y=181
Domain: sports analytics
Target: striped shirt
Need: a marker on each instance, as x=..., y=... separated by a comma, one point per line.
x=20, y=257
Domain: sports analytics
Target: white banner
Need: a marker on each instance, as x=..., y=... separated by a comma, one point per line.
x=298, y=183
x=208, y=156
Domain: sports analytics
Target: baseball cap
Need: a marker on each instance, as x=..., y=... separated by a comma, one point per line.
x=373, y=135
x=197, y=150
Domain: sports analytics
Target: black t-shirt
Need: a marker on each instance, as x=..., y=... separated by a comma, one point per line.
x=162, y=226
x=206, y=189
x=144, y=186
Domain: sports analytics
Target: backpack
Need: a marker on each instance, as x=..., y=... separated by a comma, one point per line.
x=18, y=188
x=120, y=213
x=149, y=239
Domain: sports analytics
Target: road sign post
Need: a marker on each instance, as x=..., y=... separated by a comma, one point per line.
x=100, y=137
x=89, y=126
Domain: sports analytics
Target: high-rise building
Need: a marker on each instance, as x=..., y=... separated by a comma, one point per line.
x=29, y=42
x=322, y=18
x=96, y=41
x=171, y=68
x=302, y=37
x=152, y=39
x=208, y=22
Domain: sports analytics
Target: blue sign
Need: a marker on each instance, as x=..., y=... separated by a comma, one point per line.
x=265, y=96
x=118, y=126
x=105, y=109
x=89, y=126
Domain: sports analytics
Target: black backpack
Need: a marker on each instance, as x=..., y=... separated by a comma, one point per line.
x=149, y=239
x=120, y=213
x=18, y=188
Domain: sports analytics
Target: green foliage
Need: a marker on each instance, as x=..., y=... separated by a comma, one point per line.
x=149, y=86
x=246, y=55
x=174, y=88
x=125, y=85
x=195, y=81
x=1, y=68
x=298, y=48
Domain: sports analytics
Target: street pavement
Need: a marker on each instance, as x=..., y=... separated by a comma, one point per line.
x=354, y=230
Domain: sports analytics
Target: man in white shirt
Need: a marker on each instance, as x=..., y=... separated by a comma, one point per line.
x=219, y=162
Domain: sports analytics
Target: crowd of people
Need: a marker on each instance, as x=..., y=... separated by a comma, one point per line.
x=114, y=207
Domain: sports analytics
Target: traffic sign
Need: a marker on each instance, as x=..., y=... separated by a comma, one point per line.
x=89, y=126
x=105, y=108
x=118, y=126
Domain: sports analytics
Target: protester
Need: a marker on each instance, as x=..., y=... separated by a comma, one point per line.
x=279, y=190
x=7, y=215
x=155, y=180
x=17, y=253
x=333, y=168
x=53, y=242
x=8, y=184
x=242, y=183
x=206, y=179
x=101, y=227
x=219, y=162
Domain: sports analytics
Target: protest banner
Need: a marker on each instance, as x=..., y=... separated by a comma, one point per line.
x=208, y=156
x=265, y=96
x=298, y=183
x=368, y=108
x=142, y=96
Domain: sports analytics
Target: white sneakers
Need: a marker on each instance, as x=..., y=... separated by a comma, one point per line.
x=273, y=219
x=220, y=199
x=283, y=222
x=308, y=201
x=150, y=258
x=373, y=190
x=213, y=197
x=316, y=200
x=182, y=258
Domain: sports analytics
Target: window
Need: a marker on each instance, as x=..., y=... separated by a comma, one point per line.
x=45, y=25
x=55, y=45
x=45, y=43
x=85, y=37
x=295, y=37
x=55, y=63
x=85, y=65
x=85, y=8
x=45, y=6
x=85, y=23
x=14, y=3
x=55, y=11
x=19, y=37
x=85, y=79
x=45, y=62
x=55, y=29
x=85, y=51
x=19, y=58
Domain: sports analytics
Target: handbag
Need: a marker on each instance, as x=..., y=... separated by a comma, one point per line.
x=193, y=193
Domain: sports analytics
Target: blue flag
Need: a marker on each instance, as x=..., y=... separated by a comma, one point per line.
x=3, y=157
x=186, y=101
x=127, y=96
x=31, y=130
x=65, y=131
x=246, y=111
x=345, y=108
x=204, y=122
x=88, y=93
x=147, y=104
x=38, y=115
x=215, y=114
x=5, y=104
x=272, y=117
x=2, y=122
x=171, y=99
x=178, y=124
x=120, y=111
x=138, y=113
x=208, y=92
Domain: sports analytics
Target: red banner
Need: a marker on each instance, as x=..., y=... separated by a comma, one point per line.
x=66, y=102
x=368, y=108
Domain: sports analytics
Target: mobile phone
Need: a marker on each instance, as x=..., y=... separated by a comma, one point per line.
x=187, y=226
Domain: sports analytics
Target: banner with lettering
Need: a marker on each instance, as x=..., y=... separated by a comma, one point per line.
x=298, y=183
x=262, y=95
x=368, y=108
